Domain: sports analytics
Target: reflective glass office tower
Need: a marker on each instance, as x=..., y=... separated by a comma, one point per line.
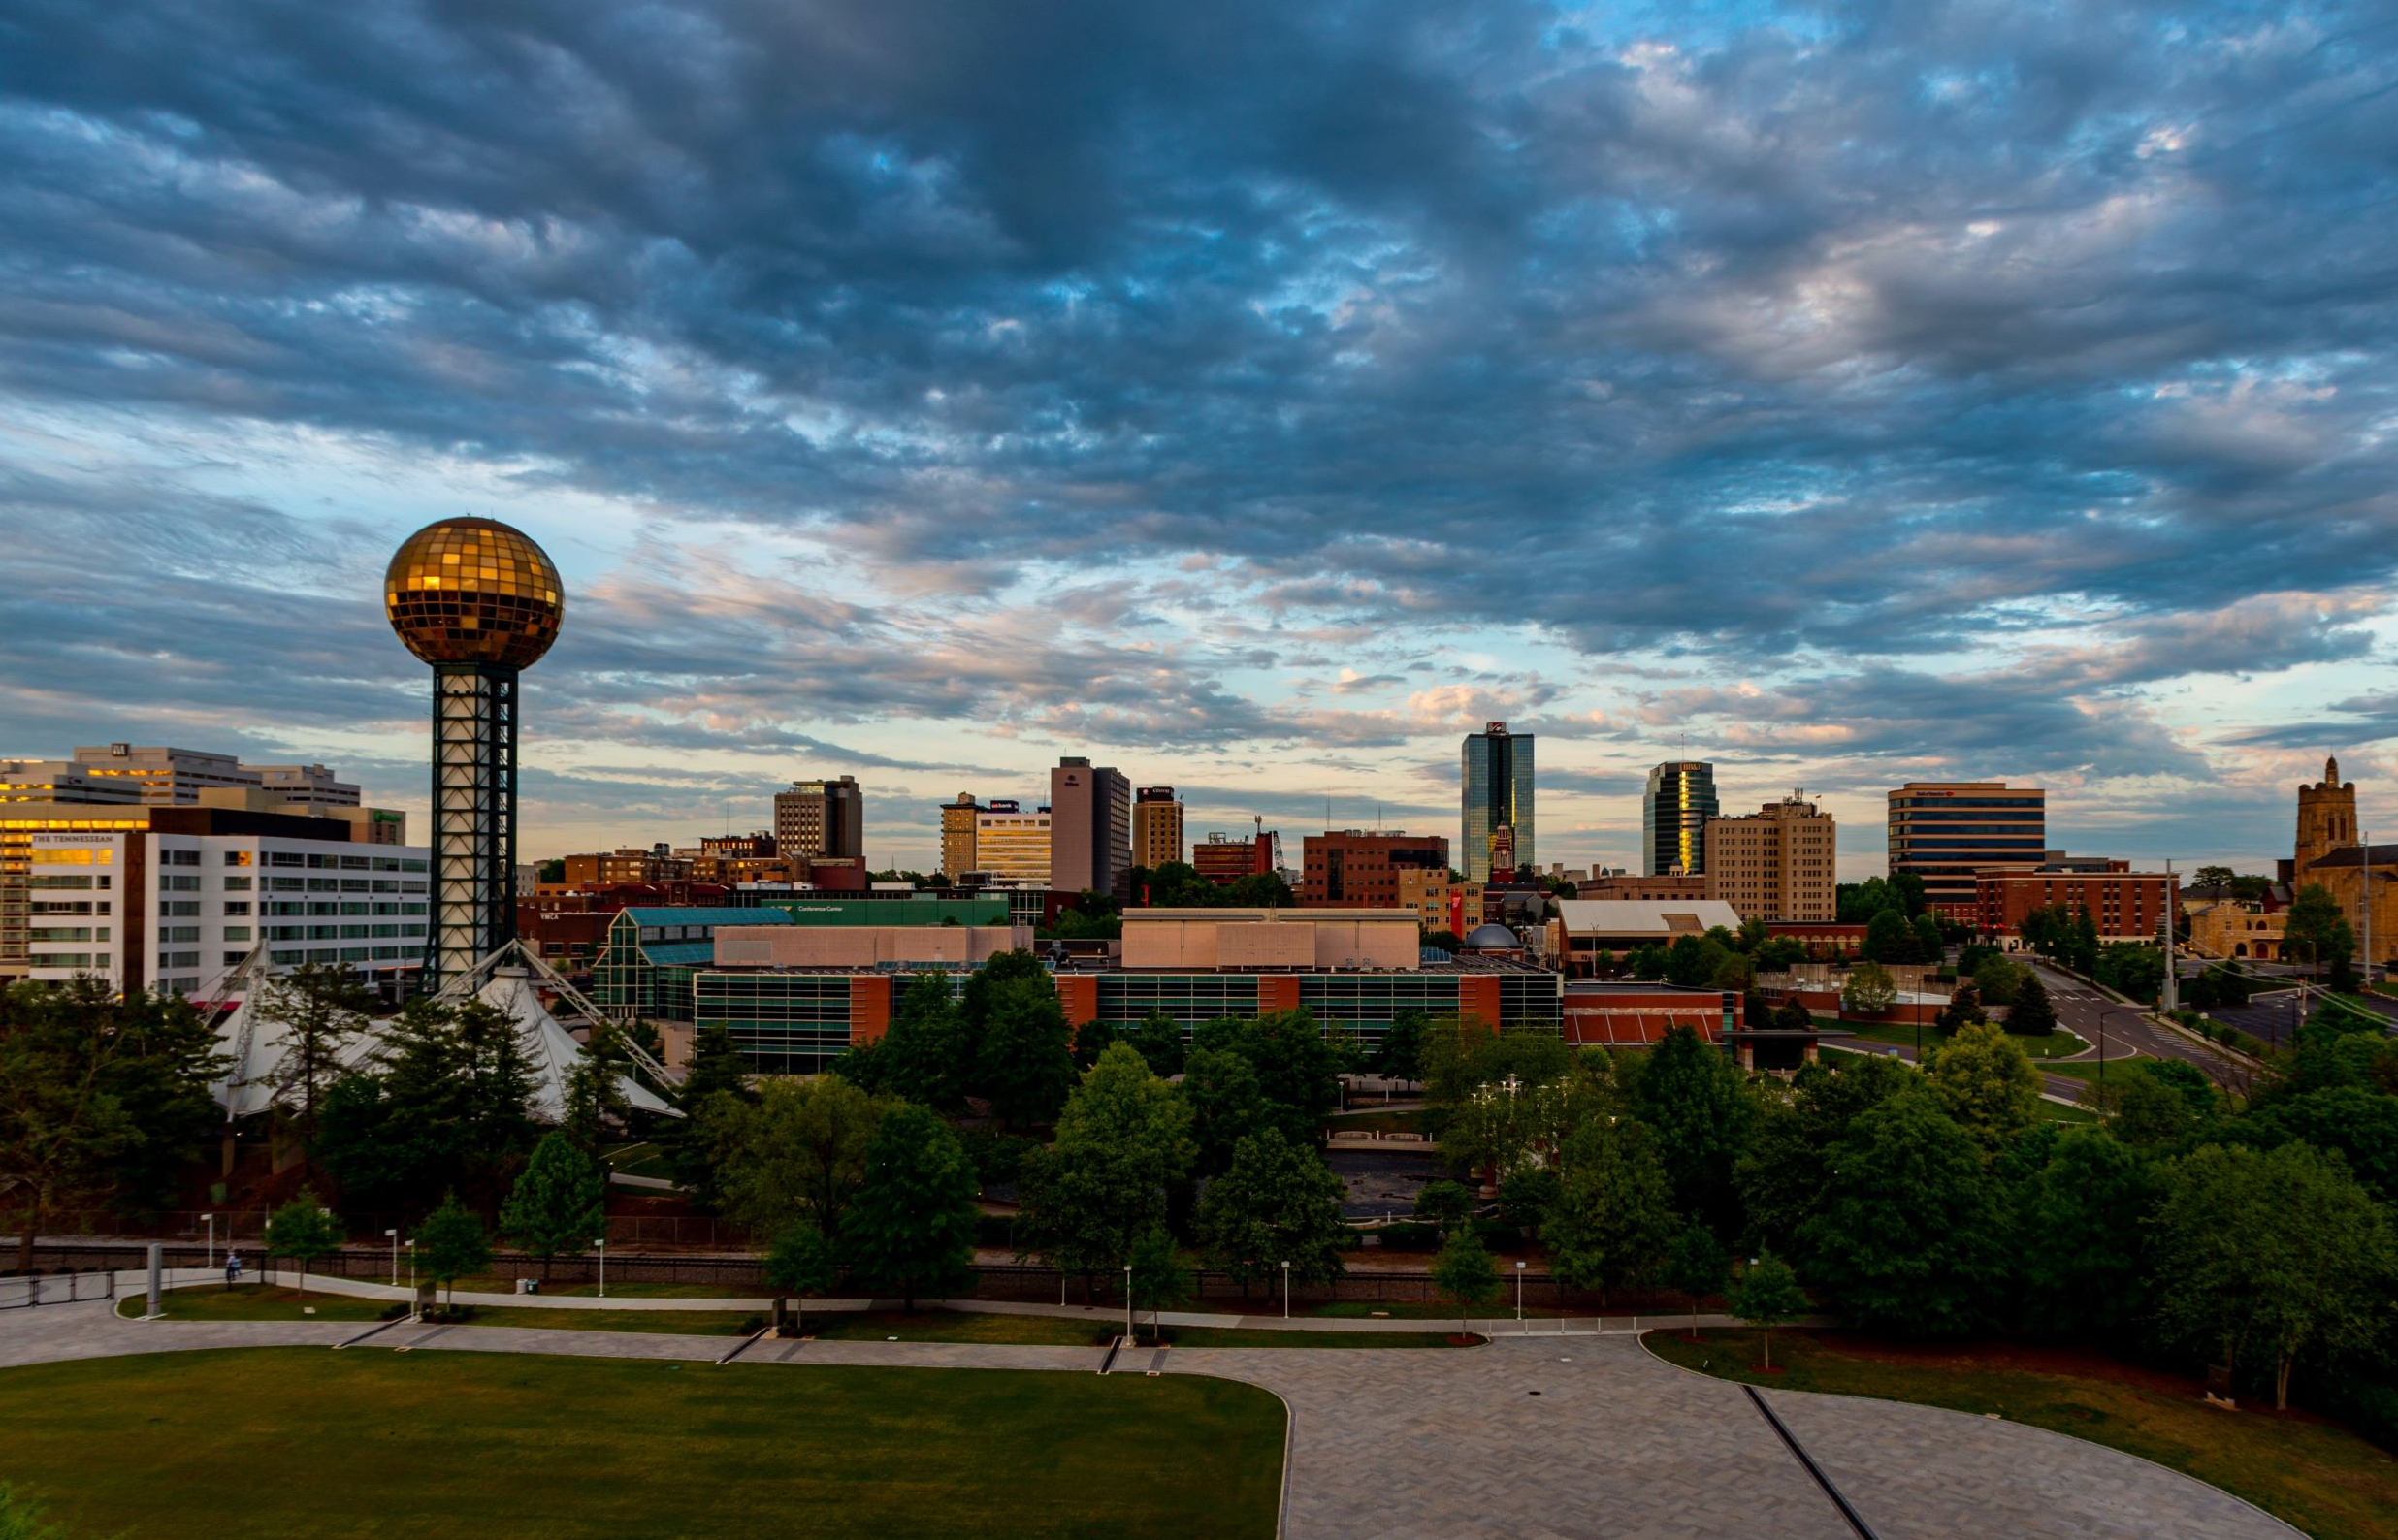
x=1673, y=818
x=1497, y=795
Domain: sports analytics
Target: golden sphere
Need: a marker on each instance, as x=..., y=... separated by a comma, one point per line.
x=474, y=591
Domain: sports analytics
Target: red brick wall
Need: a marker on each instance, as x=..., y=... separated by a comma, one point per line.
x=1478, y=995
x=869, y=1007
x=1078, y=994
x=1276, y=992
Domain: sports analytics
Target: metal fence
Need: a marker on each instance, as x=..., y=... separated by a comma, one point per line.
x=19, y=1293
x=744, y=1277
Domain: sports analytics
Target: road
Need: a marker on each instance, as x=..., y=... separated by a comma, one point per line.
x=2085, y=1008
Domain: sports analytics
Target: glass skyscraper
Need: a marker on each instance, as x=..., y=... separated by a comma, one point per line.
x=1495, y=781
x=1673, y=818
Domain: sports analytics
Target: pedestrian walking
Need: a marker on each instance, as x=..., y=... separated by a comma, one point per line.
x=233, y=1269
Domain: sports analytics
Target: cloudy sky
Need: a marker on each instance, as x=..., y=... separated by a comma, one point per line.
x=1254, y=395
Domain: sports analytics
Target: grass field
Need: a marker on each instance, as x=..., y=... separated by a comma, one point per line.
x=2311, y=1474
x=1369, y=1119
x=299, y=1442
x=959, y=1326
x=260, y=1303
x=2054, y=1045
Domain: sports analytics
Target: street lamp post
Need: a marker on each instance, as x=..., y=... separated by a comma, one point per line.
x=603, y=1245
x=394, y=1236
x=411, y=1276
x=1286, y=1289
x=211, y=1221
x=1128, y=1302
x=1520, y=1328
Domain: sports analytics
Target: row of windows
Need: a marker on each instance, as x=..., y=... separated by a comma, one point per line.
x=339, y=932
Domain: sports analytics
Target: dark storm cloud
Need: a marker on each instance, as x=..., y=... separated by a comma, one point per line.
x=1831, y=344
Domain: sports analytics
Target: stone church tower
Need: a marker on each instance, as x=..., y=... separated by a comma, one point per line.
x=2326, y=817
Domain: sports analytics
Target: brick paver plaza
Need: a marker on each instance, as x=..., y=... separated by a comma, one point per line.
x=1528, y=1438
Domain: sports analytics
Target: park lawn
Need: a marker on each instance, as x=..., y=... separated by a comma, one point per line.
x=2059, y=1044
x=2310, y=1472
x=489, y=1283
x=520, y=1447
x=2059, y=1112
x=260, y=1303
x=1054, y=1330
x=1418, y=1310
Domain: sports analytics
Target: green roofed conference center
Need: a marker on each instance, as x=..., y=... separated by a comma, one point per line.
x=797, y=994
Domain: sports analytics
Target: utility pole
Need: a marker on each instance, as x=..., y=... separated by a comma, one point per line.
x=2172, y=998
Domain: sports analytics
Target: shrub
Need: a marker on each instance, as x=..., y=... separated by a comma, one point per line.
x=1445, y=1203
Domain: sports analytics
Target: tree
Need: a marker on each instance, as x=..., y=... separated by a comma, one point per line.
x=1766, y=1295
x=322, y=1008
x=2081, y=1227
x=1696, y=1267
x=100, y=1099
x=716, y=1070
x=1646, y=961
x=1528, y=1195
x=1965, y=1008
x=1912, y=1237
x=450, y=1245
x=445, y=1104
x=1158, y=1279
x=912, y=1226
x=1463, y=1275
x=2359, y=1123
x=927, y=1052
x=1023, y=1060
x=802, y=1261
x=559, y=1206
x=1445, y=1204
x=1123, y=1139
x=2143, y=1112
x=1400, y=1054
x=1690, y=963
x=1226, y=1107
x=1996, y=980
x=798, y=1152
x=1889, y=938
x=595, y=1100
x=1869, y=990
x=1784, y=1171
x=1278, y=1204
x=1159, y=1039
x=2033, y=1014
x=2213, y=877
x=1929, y=939
x=1987, y=1083
x=2315, y=931
x=1297, y=1068
x=2281, y=1251
x=303, y=1229
x=1615, y=1215
x=1692, y=1098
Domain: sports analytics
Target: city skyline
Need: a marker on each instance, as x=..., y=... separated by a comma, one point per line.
x=906, y=455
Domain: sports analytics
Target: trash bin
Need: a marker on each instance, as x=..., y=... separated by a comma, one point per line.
x=528, y=1286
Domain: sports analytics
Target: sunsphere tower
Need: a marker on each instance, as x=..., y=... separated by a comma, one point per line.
x=480, y=602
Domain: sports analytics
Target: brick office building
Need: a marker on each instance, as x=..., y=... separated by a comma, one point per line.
x=2125, y=904
x=1354, y=869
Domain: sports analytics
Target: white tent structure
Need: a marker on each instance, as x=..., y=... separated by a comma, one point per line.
x=553, y=1053
x=509, y=980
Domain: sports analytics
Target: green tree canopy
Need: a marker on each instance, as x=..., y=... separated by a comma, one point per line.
x=802, y=1261
x=716, y=1070
x=1912, y=1239
x=303, y=1229
x=1889, y=938
x=1226, y=1107
x=2081, y=1219
x=1987, y=1083
x=1278, y=1204
x=2033, y=1014
x=2315, y=930
x=559, y=1206
x=1023, y=1054
x=450, y=1245
x=1784, y=1171
x=1159, y=1039
x=1463, y=1274
x=912, y=1224
x=1696, y=1267
x=798, y=1152
x=1614, y=1217
x=321, y=1009
x=1869, y=990
x=2274, y=1253
x=1122, y=1140
x=1766, y=1295
x=1694, y=1100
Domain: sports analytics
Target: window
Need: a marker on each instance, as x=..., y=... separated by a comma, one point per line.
x=179, y=857
x=239, y=907
x=236, y=885
x=234, y=958
x=179, y=908
x=284, y=858
x=169, y=883
x=237, y=933
x=178, y=959
x=171, y=934
x=43, y=933
x=76, y=880
x=237, y=857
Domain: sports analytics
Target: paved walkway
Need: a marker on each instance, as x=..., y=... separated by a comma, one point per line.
x=1528, y=1438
